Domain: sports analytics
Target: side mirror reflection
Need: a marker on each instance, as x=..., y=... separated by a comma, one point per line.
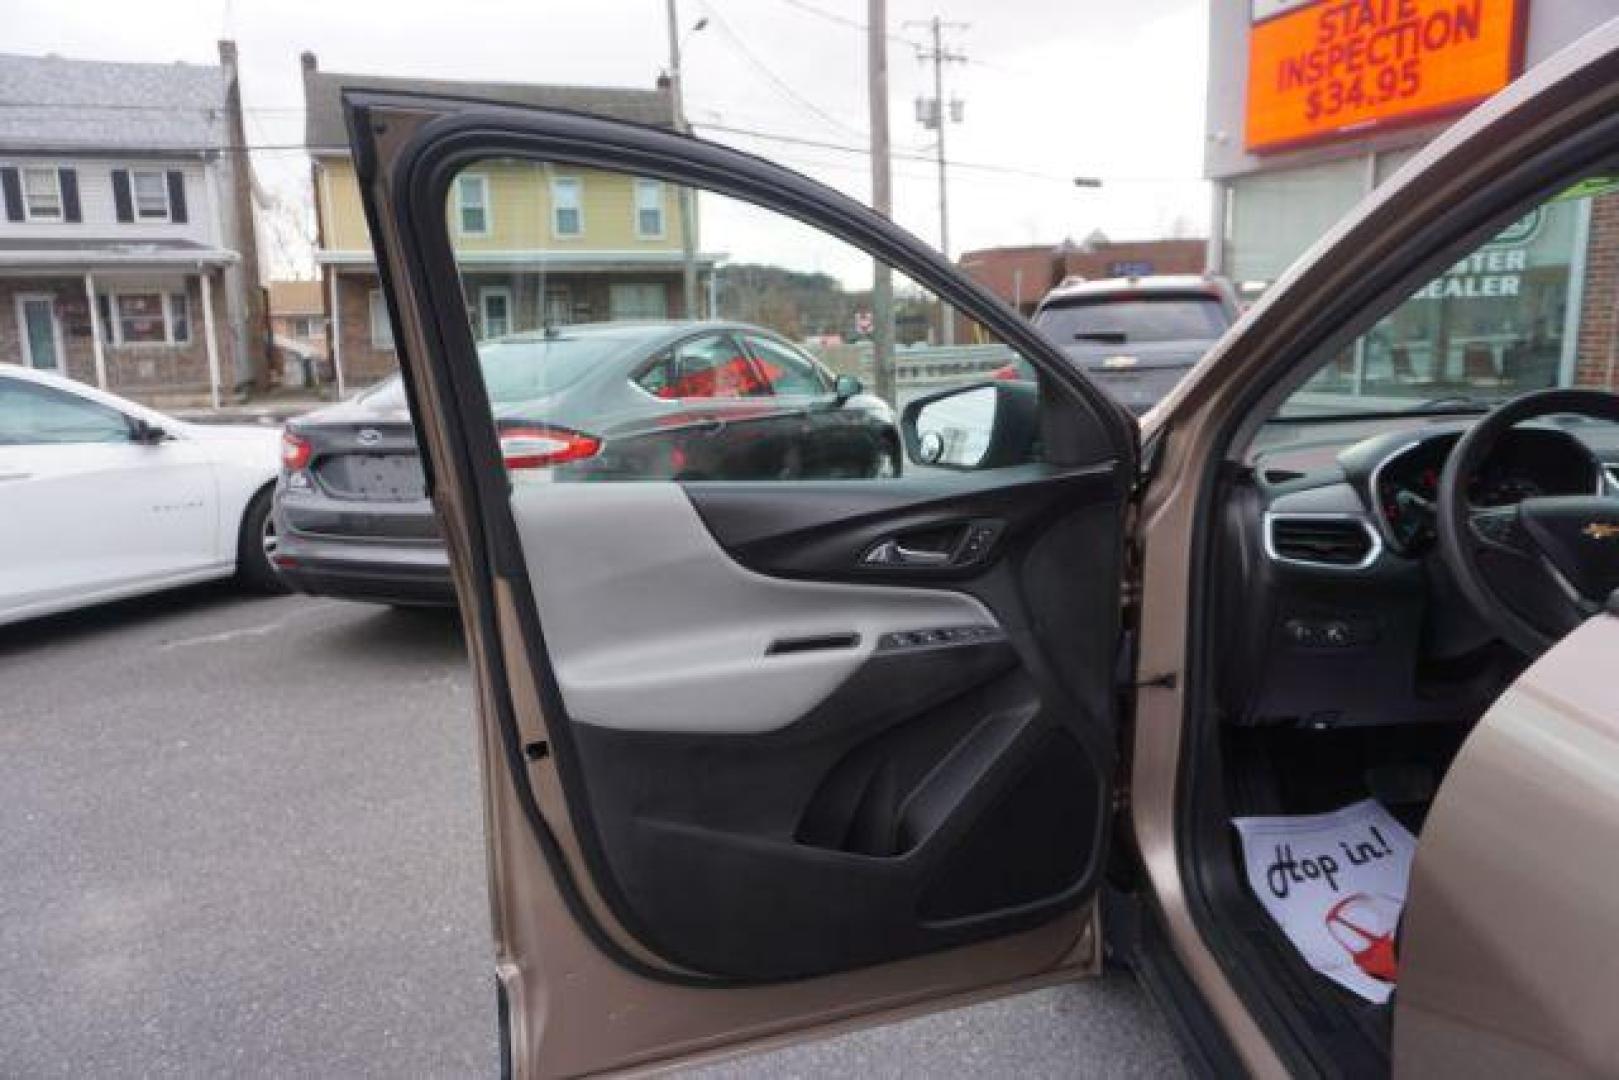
x=986, y=426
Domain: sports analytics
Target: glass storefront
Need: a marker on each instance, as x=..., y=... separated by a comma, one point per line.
x=1496, y=323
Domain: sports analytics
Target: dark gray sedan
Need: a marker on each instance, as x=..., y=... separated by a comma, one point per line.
x=615, y=401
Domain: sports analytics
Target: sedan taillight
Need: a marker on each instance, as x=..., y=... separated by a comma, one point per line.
x=295, y=451
x=535, y=447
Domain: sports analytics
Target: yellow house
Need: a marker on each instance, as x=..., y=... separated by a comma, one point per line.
x=538, y=244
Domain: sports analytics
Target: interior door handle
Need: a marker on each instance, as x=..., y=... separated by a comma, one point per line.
x=893, y=553
x=14, y=476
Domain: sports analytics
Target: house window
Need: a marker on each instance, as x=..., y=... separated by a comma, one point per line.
x=382, y=331
x=42, y=194
x=180, y=318
x=472, y=201
x=567, y=211
x=151, y=189
x=649, y=209
x=495, y=307
x=637, y=301
x=140, y=319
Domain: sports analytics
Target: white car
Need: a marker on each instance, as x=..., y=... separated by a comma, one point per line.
x=102, y=498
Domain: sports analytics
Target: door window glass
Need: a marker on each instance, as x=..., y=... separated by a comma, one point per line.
x=784, y=371
x=31, y=414
x=713, y=366
x=661, y=352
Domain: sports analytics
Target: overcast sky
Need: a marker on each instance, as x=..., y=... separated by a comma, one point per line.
x=1054, y=88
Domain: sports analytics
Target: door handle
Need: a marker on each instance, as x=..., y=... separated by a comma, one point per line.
x=961, y=545
x=893, y=553
x=14, y=476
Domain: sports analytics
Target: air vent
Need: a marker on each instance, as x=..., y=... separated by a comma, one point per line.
x=1343, y=543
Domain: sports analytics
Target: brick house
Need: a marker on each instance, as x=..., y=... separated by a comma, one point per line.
x=537, y=245
x=127, y=254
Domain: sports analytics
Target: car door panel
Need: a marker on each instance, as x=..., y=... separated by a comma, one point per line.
x=93, y=519
x=754, y=773
x=658, y=629
x=861, y=795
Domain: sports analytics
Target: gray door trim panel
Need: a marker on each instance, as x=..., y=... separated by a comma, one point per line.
x=651, y=626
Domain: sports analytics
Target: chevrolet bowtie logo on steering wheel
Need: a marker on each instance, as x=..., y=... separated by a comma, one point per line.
x=1601, y=530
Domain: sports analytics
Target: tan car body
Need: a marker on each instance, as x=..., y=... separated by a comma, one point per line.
x=1515, y=893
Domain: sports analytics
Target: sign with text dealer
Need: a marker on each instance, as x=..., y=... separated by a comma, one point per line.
x=1336, y=67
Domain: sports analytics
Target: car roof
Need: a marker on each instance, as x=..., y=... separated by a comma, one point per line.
x=1080, y=289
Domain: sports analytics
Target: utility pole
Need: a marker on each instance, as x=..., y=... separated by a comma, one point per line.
x=933, y=116
x=688, y=218
x=882, y=199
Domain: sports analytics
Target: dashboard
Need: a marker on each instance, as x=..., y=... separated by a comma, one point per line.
x=1338, y=610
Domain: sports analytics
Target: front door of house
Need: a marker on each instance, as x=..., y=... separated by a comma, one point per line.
x=41, y=335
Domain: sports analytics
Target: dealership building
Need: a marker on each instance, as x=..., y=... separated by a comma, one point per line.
x=1312, y=104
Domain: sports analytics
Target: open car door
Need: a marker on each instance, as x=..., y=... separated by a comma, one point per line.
x=768, y=746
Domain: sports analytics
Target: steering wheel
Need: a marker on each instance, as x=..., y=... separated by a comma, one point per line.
x=1536, y=569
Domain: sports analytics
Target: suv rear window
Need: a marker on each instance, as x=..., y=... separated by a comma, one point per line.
x=1106, y=320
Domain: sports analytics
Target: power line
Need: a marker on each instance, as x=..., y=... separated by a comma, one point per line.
x=845, y=21
x=976, y=166
x=774, y=79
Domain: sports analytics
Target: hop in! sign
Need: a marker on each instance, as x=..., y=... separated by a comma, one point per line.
x=1338, y=66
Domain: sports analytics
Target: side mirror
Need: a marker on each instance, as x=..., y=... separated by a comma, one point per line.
x=145, y=432
x=984, y=426
x=846, y=387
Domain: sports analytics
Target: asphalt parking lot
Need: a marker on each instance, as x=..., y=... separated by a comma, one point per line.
x=241, y=837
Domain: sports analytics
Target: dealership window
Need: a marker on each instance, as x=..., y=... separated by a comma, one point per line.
x=635, y=300
x=1274, y=217
x=567, y=206
x=472, y=204
x=1501, y=320
x=152, y=317
x=382, y=331
x=151, y=190
x=42, y=194
x=649, y=209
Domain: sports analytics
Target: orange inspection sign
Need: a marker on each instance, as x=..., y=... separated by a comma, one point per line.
x=1338, y=66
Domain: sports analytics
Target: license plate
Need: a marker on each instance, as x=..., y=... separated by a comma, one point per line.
x=387, y=476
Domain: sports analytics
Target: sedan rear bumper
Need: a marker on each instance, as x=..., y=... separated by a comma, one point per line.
x=383, y=573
